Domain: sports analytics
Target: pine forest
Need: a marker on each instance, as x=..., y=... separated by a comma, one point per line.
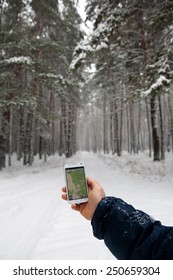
x=107, y=87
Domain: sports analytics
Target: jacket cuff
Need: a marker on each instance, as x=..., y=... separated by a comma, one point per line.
x=101, y=218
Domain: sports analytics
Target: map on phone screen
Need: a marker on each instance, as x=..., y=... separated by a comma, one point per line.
x=76, y=183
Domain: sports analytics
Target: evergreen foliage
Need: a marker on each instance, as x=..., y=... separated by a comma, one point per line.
x=131, y=45
x=37, y=40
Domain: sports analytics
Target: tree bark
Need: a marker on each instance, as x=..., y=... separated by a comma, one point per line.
x=20, y=133
x=170, y=120
x=10, y=135
x=149, y=130
x=132, y=130
x=155, y=135
x=105, y=138
x=162, y=141
x=3, y=138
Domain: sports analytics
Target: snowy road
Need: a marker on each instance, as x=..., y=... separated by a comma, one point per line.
x=36, y=224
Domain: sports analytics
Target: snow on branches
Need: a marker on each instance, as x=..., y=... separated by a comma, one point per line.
x=160, y=83
x=18, y=60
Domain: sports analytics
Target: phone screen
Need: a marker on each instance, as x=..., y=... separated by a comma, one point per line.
x=76, y=183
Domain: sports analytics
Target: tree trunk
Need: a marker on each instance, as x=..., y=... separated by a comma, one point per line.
x=64, y=120
x=20, y=133
x=121, y=119
x=170, y=119
x=162, y=142
x=61, y=140
x=68, y=117
x=105, y=138
x=112, y=141
x=27, y=139
x=139, y=145
x=116, y=129
x=32, y=140
x=149, y=130
x=132, y=130
x=10, y=135
x=128, y=127
x=52, y=126
x=3, y=124
x=45, y=149
x=69, y=136
x=2, y=151
x=155, y=135
x=74, y=113
x=40, y=146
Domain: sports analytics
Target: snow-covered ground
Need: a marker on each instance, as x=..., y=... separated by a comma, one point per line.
x=35, y=223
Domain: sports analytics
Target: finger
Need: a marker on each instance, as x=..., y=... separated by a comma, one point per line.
x=89, y=182
x=75, y=207
x=64, y=189
x=64, y=196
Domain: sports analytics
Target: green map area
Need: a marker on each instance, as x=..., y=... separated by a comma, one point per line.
x=76, y=184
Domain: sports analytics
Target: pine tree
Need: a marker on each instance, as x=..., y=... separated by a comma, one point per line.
x=137, y=35
x=37, y=44
x=70, y=98
x=14, y=62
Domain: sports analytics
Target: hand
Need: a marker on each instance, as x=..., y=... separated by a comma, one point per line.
x=95, y=194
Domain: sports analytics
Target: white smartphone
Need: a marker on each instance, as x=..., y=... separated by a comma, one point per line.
x=77, y=189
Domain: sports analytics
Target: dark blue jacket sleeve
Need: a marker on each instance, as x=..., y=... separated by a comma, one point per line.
x=131, y=234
